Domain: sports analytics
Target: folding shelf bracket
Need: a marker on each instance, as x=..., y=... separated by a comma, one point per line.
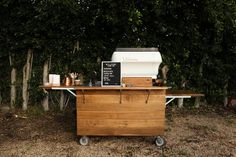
x=83, y=96
x=71, y=92
x=120, y=96
x=147, y=96
x=68, y=89
x=174, y=97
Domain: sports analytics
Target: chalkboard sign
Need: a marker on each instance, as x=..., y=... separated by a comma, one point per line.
x=111, y=73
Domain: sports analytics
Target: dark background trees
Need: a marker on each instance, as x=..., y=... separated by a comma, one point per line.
x=196, y=39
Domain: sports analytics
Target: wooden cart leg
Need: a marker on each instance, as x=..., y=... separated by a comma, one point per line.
x=62, y=99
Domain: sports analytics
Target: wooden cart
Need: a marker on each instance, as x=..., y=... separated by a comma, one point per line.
x=120, y=111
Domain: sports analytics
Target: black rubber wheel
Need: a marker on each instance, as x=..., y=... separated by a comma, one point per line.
x=159, y=141
x=84, y=140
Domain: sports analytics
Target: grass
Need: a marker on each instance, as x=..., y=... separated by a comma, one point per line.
x=183, y=153
x=35, y=111
x=203, y=130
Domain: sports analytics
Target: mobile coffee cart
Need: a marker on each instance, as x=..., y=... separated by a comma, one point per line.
x=125, y=106
x=129, y=107
x=120, y=111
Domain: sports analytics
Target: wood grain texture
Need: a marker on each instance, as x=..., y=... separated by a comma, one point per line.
x=117, y=123
x=137, y=81
x=126, y=113
x=122, y=115
x=149, y=107
x=121, y=96
x=110, y=131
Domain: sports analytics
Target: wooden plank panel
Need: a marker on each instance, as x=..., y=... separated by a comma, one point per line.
x=118, y=98
x=101, y=92
x=142, y=98
x=149, y=107
x=101, y=113
x=123, y=92
x=145, y=131
x=115, y=97
x=130, y=115
x=87, y=123
x=99, y=99
x=137, y=81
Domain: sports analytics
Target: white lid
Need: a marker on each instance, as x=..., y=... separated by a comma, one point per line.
x=136, y=56
x=138, y=62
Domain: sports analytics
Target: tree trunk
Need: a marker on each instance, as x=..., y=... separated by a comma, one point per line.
x=62, y=99
x=165, y=70
x=198, y=99
x=13, y=82
x=26, y=77
x=0, y=98
x=197, y=102
x=46, y=68
x=226, y=94
x=62, y=95
x=13, y=87
x=181, y=100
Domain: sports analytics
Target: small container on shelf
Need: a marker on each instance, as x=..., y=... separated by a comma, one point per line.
x=159, y=82
x=77, y=82
x=67, y=81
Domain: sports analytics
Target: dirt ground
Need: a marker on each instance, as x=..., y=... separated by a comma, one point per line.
x=205, y=132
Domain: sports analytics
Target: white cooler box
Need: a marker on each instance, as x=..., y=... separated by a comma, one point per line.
x=138, y=62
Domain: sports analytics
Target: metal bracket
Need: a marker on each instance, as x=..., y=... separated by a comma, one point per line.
x=120, y=96
x=147, y=96
x=71, y=92
x=175, y=97
x=68, y=89
x=83, y=96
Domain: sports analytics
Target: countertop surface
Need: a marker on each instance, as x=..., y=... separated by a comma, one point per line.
x=103, y=88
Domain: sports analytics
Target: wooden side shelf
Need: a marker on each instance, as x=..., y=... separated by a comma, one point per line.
x=181, y=94
x=171, y=92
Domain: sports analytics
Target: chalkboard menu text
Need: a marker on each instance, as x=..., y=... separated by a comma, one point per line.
x=111, y=73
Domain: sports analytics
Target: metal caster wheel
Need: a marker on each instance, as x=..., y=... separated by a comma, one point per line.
x=84, y=140
x=159, y=141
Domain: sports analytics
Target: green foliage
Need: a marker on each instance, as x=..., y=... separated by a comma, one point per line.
x=196, y=38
